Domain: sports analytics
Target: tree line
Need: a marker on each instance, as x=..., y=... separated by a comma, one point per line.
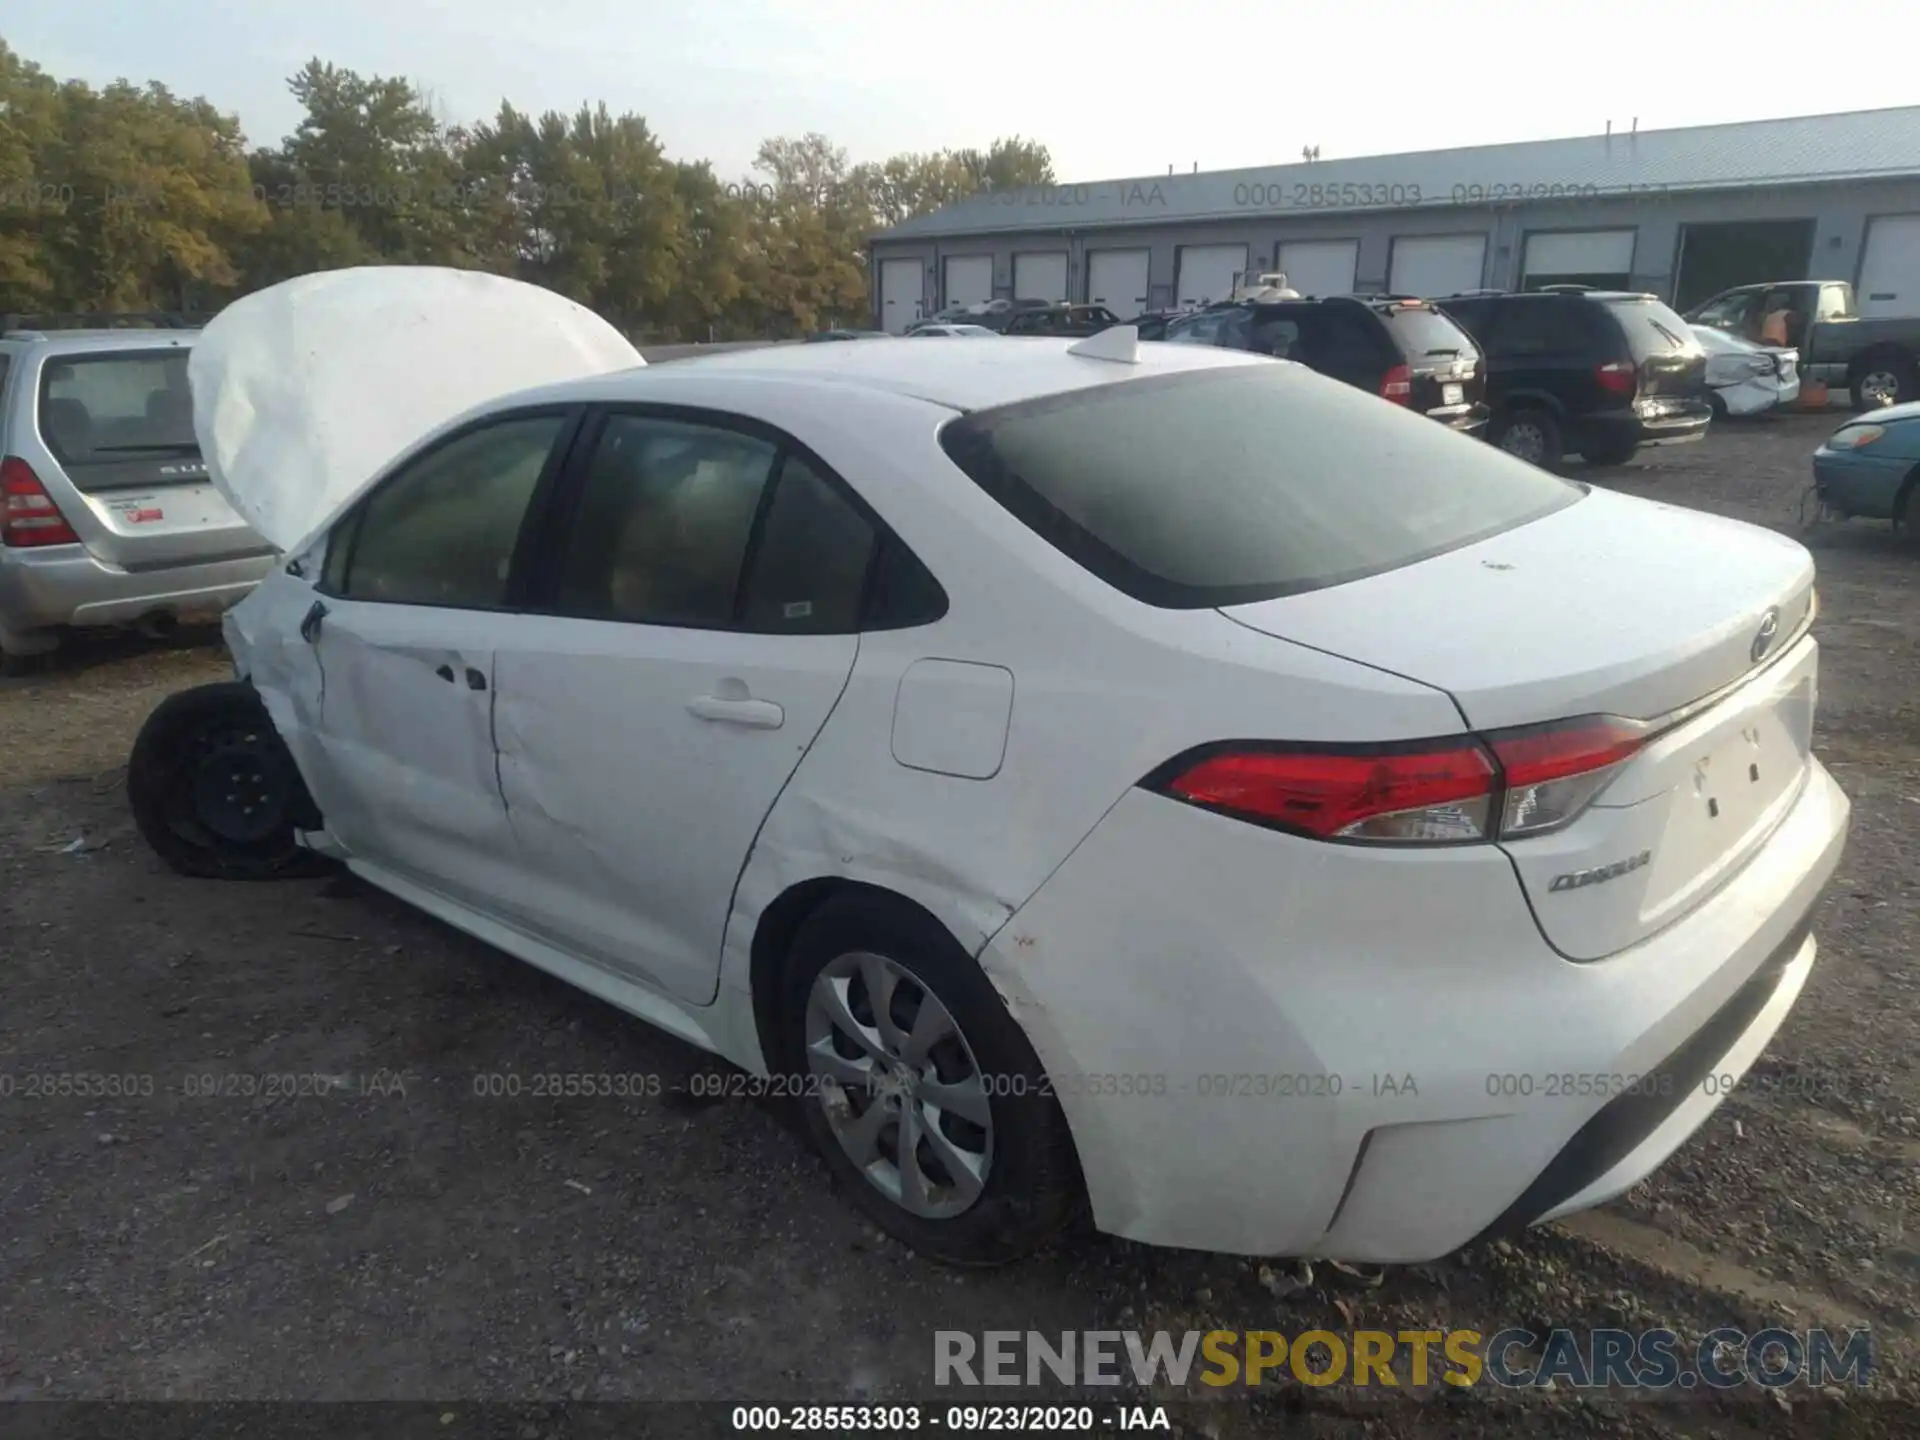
x=132, y=198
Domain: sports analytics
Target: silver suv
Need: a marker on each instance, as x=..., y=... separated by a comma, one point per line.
x=110, y=519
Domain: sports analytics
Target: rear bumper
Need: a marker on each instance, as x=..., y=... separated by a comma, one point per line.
x=1617, y=428
x=1467, y=419
x=64, y=585
x=1305, y=1049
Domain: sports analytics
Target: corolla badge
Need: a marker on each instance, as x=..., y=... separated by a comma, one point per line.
x=1769, y=631
x=1600, y=874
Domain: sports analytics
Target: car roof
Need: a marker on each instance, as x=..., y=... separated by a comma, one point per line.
x=63, y=342
x=986, y=374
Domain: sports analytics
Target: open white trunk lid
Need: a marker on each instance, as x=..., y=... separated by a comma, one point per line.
x=305, y=391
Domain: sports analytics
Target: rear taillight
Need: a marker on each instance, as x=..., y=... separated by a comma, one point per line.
x=1552, y=772
x=1398, y=386
x=1616, y=377
x=31, y=517
x=1506, y=785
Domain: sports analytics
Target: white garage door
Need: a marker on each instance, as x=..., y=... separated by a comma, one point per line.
x=1890, y=269
x=1437, y=264
x=899, y=294
x=1117, y=279
x=1319, y=267
x=1572, y=254
x=1040, y=277
x=969, y=280
x=1206, y=272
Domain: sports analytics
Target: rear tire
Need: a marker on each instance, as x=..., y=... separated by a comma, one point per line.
x=14, y=666
x=1884, y=382
x=1906, y=518
x=215, y=792
x=1530, y=435
x=1617, y=453
x=972, y=1194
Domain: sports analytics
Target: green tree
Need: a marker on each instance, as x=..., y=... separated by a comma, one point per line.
x=29, y=122
x=160, y=199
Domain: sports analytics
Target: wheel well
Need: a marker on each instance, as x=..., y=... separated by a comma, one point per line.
x=773, y=937
x=1906, y=489
x=1530, y=400
x=1878, y=354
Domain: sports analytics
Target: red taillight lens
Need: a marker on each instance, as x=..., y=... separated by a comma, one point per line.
x=1398, y=386
x=31, y=517
x=1506, y=785
x=1414, y=794
x=1616, y=377
x=1552, y=772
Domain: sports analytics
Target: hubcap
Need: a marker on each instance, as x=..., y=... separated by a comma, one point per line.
x=1882, y=387
x=899, y=1084
x=1524, y=440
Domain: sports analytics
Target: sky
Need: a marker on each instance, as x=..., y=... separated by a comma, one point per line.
x=1115, y=89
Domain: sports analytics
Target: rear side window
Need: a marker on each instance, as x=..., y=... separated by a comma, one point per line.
x=1541, y=327
x=1651, y=328
x=1340, y=339
x=1222, y=487
x=1422, y=332
x=1834, y=305
x=810, y=567
x=97, y=413
x=664, y=520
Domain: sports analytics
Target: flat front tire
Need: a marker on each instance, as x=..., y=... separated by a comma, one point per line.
x=214, y=791
x=920, y=1092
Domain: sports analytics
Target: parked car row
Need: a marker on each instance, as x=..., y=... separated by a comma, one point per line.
x=1565, y=371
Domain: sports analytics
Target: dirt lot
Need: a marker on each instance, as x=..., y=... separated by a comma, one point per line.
x=401, y=1236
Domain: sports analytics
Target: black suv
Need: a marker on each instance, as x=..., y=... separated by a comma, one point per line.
x=1060, y=320
x=1596, y=373
x=1400, y=348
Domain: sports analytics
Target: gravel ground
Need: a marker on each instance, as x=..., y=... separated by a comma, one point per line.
x=398, y=1236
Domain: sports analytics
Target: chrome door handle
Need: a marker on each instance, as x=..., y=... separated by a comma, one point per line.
x=755, y=714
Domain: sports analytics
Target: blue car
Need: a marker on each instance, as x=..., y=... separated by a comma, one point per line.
x=1870, y=467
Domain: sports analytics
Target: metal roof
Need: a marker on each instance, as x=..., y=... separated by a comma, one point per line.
x=1861, y=144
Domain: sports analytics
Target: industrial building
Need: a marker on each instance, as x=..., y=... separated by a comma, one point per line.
x=1682, y=213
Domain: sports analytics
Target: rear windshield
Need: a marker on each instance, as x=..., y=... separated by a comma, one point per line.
x=1651, y=328
x=101, y=411
x=1422, y=332
x=1225, y=486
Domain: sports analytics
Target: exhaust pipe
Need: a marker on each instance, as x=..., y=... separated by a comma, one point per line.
x=158, y=625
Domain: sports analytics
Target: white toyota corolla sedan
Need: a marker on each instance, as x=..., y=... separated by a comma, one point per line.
x=1142, y=780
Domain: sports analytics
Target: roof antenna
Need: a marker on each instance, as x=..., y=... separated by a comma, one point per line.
x=1116, y=342
x=1636, y=125
x=1609, y=129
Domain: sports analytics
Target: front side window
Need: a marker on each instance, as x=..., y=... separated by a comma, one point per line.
x=442, y=529
x=665, y=516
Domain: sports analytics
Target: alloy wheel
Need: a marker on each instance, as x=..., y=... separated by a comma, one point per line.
x=1882, y=387
x=899, y=1085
